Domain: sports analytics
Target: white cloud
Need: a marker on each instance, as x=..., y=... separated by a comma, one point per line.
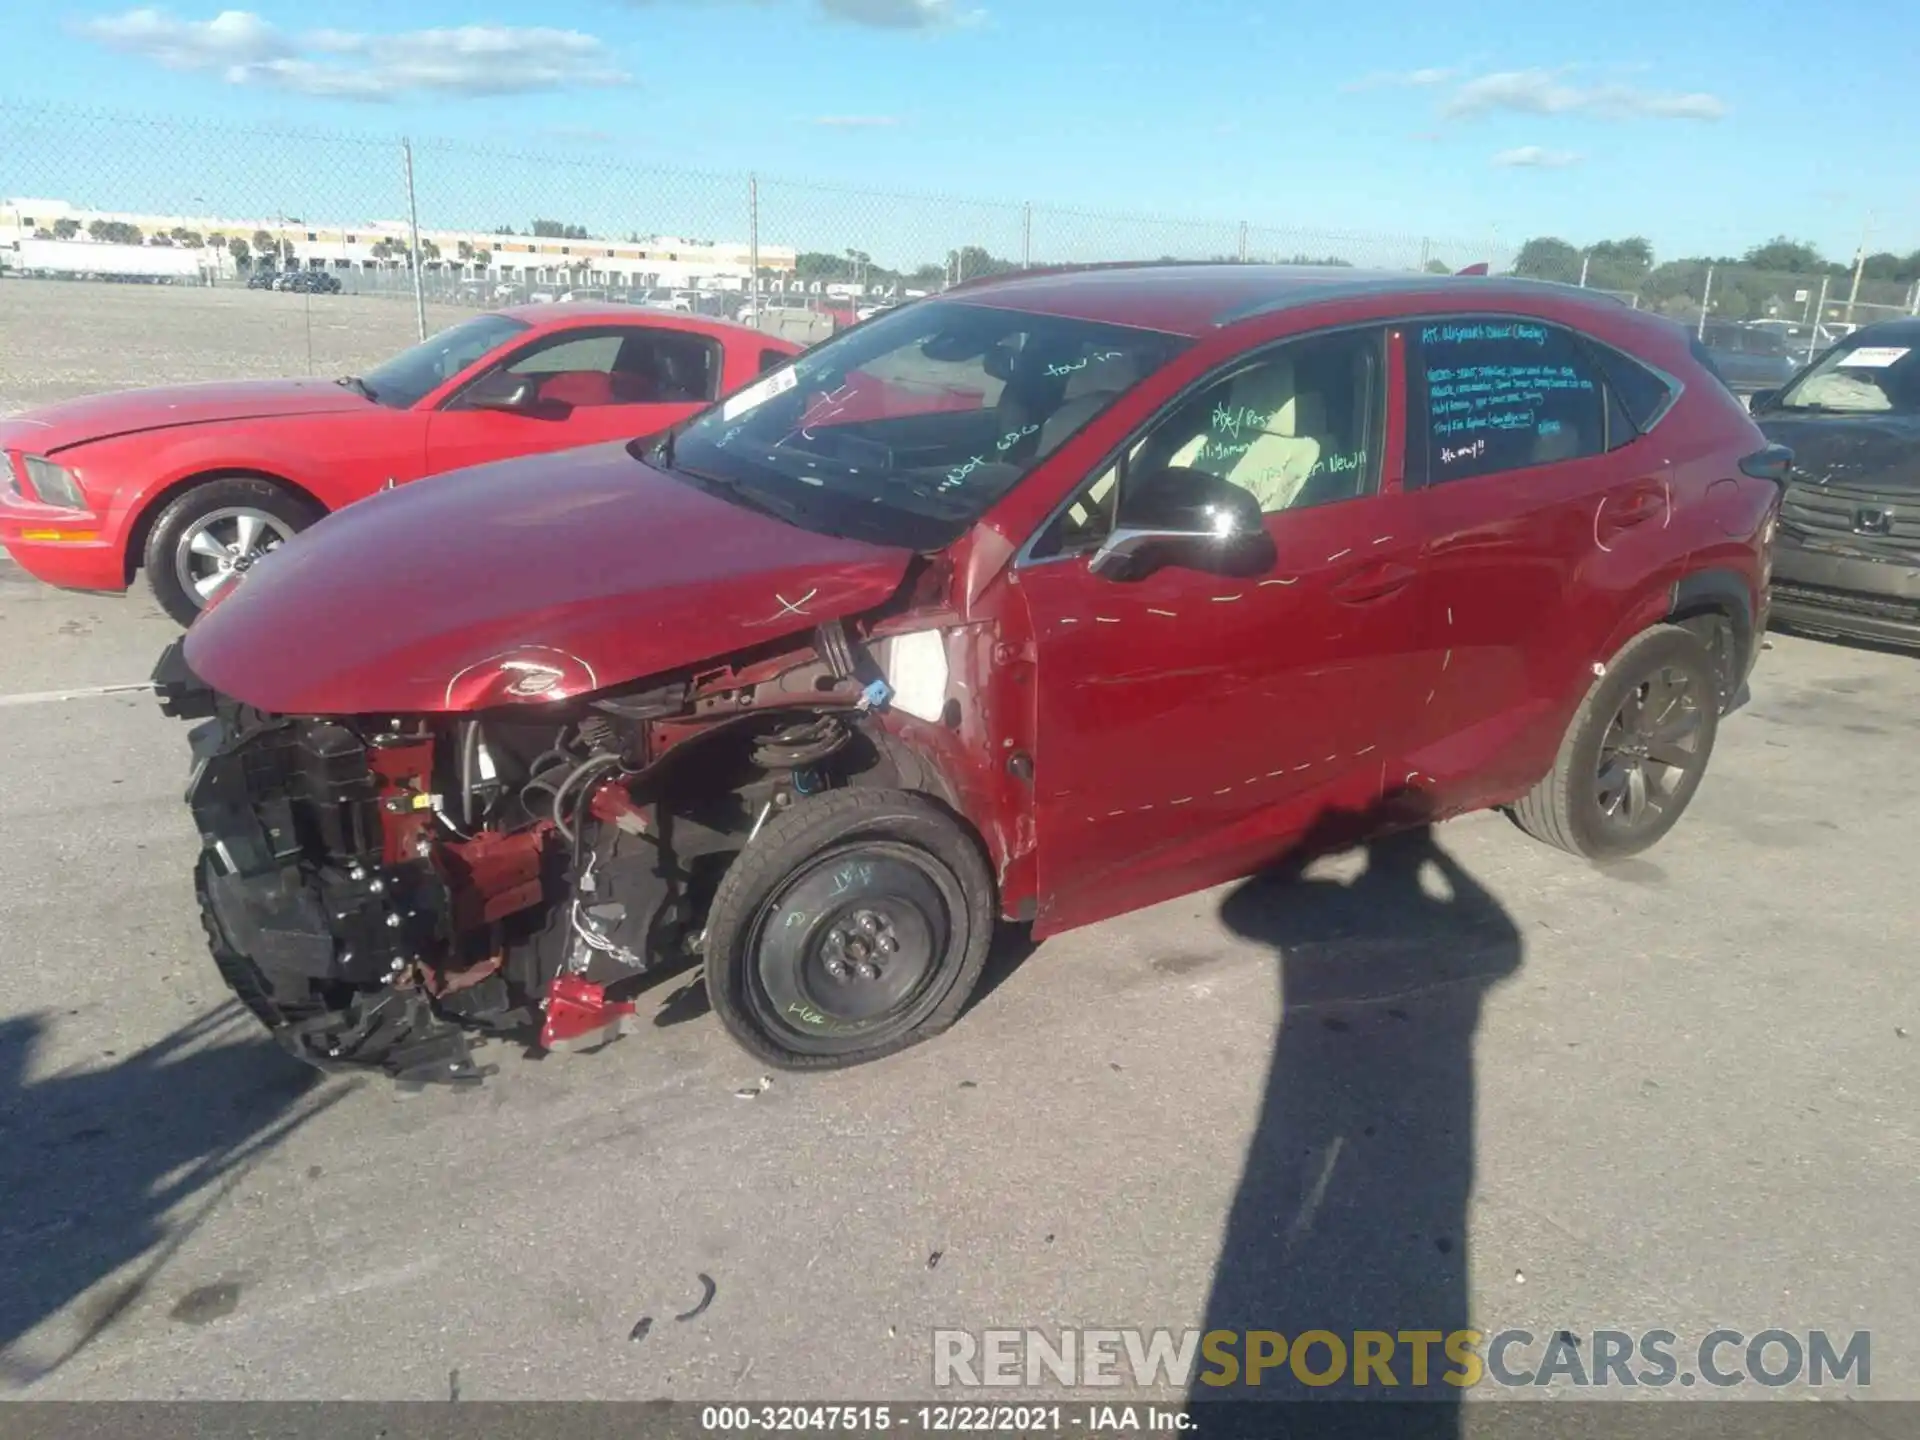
x=1544, y=92
x=233, y=38
x=1414, y=79
x=857, y=122
x=900, y=14
x=883, y=14
x=1537, y=158
x=467, y=60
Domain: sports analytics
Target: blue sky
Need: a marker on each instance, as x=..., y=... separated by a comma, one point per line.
x=1706, y=127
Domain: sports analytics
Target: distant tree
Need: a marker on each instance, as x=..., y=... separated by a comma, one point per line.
x=970, y=262
x=65, y=229
x=1548, y=257
x=165, y=241
x=429, y=251
x=1439, y=267
x=42, y=233
x=1795, y=257
x=483, y=258
x=464, y=251
x=554, y=230
x=192, y=239
x=1304, y=259
x=115, y=232
x=242, y=252
x=1882, y=266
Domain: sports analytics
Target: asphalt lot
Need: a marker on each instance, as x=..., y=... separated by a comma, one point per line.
x=1674, y=1096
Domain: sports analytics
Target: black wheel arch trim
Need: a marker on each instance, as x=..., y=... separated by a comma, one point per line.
x=1724, y=593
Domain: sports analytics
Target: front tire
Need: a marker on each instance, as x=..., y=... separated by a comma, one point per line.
x=1635, y=753
x=210, y=533
x=854, y=925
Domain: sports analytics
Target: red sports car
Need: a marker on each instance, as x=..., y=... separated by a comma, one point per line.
x=1050, y=598
x=197, y=482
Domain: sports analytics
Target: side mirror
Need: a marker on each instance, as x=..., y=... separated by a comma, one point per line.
x=1185, y=517
x=516, y=394
x=1762, y=399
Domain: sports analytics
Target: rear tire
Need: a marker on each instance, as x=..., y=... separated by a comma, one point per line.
x=854, y=925
x=1635, y=752
x=240, y=515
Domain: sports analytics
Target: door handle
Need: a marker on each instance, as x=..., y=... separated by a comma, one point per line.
x=1635, y=508
x=1374, y=582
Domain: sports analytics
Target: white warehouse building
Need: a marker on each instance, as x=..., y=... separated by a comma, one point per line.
x=382, y=245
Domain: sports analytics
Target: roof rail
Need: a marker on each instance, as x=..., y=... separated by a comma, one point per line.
x=1079, y=268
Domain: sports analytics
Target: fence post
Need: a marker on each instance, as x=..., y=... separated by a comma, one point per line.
x=1586, y=258
x=1426, y=253
x=1706, y=299
x=413, y=225
x=753, y=248
x=1819, y=319
x=1026, y=236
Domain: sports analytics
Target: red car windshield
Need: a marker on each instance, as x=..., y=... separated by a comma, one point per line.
x=907, y=428
x=412, y=375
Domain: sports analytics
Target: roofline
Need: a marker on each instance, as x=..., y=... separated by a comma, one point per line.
x=1093, y=267
x=1379, y=284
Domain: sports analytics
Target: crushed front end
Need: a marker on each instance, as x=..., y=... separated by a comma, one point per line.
x=380, y=890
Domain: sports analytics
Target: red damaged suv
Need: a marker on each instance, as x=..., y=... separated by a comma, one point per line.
x=1052, y=597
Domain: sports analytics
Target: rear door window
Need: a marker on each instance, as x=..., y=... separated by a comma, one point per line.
x=1500, y=393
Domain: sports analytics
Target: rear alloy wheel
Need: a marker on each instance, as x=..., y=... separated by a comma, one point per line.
x=854, y=925
x=1635, y=752
x=213, y=533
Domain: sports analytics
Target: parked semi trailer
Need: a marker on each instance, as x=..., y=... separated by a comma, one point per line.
x=98, y=260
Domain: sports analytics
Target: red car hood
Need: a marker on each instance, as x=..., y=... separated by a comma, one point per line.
x=529, y=580
x=125, y=412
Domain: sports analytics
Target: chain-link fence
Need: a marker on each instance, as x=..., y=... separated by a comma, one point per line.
x=460, y=221
x=1739, y=309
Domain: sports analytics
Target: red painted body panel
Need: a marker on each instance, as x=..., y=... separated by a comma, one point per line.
x=599, y=568
x=132, y=450
x=1181, y=729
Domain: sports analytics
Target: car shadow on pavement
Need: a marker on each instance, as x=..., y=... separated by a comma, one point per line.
x=1351, y=1214
x=108, y=1172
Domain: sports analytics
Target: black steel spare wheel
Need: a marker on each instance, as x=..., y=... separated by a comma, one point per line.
x=1635, y=752
x=852, y=926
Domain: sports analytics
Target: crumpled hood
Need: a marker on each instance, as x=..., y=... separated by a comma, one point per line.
x=528, y=580
x=125, y=412
x=1880, y=453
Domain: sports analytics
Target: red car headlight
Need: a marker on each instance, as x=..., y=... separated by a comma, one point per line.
x=53, y=484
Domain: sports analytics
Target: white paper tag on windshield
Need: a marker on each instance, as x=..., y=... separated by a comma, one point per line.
x=1872, y=357
x=759, y=393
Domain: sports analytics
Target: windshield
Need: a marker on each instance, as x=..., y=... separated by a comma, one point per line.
x=906, y=429
x=1860, y=379
x=410, y=376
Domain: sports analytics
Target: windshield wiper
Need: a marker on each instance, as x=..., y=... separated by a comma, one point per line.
x=354, y=382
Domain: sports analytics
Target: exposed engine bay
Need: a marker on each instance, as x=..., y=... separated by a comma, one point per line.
x=380, y=890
